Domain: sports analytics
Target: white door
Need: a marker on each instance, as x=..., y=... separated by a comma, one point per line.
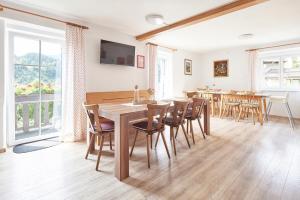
x=35, y=67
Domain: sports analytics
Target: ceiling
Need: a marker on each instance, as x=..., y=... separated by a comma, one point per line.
x=272, y=21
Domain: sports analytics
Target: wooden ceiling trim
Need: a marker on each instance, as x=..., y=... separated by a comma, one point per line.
x=207, y=15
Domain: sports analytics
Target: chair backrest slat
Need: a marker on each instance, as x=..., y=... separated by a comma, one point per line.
x=92, y=112
x=159, y=112
x=179, y=112
x=197, y=107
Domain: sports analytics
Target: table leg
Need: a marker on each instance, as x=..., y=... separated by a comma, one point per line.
x=221, y=107
x=121, y=147
x=260, y=112
x=207, y=118
x=265, y=107
x=212, y=104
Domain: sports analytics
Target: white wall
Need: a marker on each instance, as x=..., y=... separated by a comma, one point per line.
x=239, y=76
x=104, y=77
x=181, y=81
x=2, y=135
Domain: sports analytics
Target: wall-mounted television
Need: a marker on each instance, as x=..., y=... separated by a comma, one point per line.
x=116, y=53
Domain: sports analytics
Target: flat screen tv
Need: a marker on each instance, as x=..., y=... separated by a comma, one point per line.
x=117, y=53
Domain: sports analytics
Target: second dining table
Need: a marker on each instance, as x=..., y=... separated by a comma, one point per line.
x=123, y=114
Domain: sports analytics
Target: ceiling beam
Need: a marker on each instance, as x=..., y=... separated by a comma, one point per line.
x=210, y=14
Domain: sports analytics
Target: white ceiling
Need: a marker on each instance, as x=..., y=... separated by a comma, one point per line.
x=272, y=21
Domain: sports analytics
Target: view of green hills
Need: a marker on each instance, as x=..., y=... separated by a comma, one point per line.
x=27, y=74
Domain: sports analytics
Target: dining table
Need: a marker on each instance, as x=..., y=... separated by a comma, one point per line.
x=261, y=98
x=123, y=115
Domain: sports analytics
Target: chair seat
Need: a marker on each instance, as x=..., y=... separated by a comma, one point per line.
x=142, y=126
x=233, y=103
x=278, y=99
x=107, y=126
x=170, y=122
x=251, y=105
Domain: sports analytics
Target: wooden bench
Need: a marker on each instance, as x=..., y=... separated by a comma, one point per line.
x=114, y=97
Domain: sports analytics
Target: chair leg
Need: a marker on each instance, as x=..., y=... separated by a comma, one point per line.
x=240, y=114
x=100, y=152
x=151, y=141
x=157, y=139
x=173, y=139
x=92, y=142
x=290, y=115
x=164, y=140
x=199, y=122
x=176, y=132
x=185, y=135
x=269, y=110
x=187, y=127
x=110, y=142
x=192, y=131
x=252, y=113
x=148, y=137
x=136, y=134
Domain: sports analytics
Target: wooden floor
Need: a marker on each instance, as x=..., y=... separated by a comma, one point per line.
x=238, y=161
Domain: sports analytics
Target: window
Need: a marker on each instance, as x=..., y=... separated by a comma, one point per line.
x=281, y=70
x=163, y=79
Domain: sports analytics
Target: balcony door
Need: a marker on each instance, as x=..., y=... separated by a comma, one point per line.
x=36, y=67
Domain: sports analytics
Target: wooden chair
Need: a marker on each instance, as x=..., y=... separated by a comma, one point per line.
x=97, y=129
x=177, y=119
x=231, y=104
x=249, y=104
x=194, y=114
x=153, y=125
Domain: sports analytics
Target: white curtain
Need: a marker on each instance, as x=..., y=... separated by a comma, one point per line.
x=253, y=65
x=152, y=54
x=73, y=92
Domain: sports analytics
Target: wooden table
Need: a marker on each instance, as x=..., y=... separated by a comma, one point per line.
x=210, y=94
x=123, y=114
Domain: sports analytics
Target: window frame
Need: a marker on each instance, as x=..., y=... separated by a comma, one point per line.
x=281, y=55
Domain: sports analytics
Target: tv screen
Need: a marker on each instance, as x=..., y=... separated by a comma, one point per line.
x=116, y=53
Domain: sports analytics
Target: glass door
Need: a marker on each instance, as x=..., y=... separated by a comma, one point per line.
x=163, y=79
x=37, y=66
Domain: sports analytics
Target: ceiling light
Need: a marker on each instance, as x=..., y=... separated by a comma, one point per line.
x=246, y=36
x=155, y=19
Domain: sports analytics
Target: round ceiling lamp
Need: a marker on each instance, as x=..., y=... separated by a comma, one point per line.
x=155, y=19
x=246, y=36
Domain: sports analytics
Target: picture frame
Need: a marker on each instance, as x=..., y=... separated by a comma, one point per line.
x=140, y=61
x=188, y=67
x=221, y=68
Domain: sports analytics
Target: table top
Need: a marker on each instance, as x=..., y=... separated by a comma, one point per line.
x=226, y=92
x=107, y=109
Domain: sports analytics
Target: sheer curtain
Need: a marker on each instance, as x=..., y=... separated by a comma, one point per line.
x=254, y=70
x=152, y=56
x=73, y=91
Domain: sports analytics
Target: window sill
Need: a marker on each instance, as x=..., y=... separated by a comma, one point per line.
x=280, y=90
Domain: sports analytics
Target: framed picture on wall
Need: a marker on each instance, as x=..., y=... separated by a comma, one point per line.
x=187, y=67
x=221, y=68
x=140, y=61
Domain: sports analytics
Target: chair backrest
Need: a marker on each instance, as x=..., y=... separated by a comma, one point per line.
x=92, y=112
x=197, y=107
x=179, y=112
x=159, y=112
x=191, y=94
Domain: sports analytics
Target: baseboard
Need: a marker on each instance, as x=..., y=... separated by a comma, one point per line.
x=2, y=150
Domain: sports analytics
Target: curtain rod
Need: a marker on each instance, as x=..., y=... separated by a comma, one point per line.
x=161, y=46
x=269, y=47
x=42, y=16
